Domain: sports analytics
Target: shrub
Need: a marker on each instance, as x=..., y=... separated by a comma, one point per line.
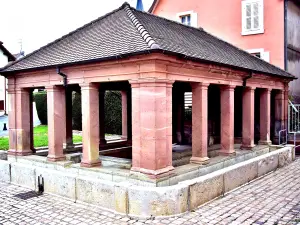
x=76, y=111
x=40, y=99
x=113, y=112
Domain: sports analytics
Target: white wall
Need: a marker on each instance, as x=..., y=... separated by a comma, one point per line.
x=3, y=62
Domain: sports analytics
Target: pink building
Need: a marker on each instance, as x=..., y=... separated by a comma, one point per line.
x=268, y=29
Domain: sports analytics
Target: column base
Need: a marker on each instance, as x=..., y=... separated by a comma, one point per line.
x=90, y=164
x=227, y=153
x=68, y=145
x=56, y=158
x=129, y=142
x=199, y=160
x=124, y=138
x=264, y=142
x=18, y=153
x=154, y=173
x=247, y=147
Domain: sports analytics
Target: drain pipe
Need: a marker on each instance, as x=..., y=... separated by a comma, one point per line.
x=246, y=78
x=63, y=75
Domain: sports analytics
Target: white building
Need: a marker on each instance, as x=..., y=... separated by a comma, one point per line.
x=5, y=57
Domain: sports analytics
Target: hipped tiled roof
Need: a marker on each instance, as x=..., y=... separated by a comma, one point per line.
x=127, y=31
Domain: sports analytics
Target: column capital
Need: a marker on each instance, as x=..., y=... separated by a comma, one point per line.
x=202, y=85
x=11, y=91
x=250, y=88
x=229, y=87
x=54, y=88
x=20, y=90
x=89, y=86
x=151, y=82
x=267, y=89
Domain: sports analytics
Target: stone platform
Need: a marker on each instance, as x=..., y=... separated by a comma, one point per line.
x=114, y=187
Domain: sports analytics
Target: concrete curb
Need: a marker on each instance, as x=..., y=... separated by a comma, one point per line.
x=145, y=202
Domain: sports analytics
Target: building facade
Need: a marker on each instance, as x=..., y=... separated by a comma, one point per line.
x=5, y=57
x=266, y=28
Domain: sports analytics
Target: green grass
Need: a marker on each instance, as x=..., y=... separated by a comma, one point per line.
x=40, y=136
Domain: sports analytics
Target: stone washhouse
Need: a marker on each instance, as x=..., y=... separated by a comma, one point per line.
x=238, y=100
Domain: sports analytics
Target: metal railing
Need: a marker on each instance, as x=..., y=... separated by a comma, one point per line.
x=295, y=139
x=285, y=134
x=294, y=118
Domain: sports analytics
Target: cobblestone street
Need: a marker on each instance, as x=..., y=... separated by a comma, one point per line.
x=273, y=199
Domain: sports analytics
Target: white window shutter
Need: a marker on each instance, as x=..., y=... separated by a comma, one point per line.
x=244, y=17
x=194, y=19
x=261, y=14
x=265, y=56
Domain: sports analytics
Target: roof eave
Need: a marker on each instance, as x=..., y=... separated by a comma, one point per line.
x=166, y=52
x=7, y=53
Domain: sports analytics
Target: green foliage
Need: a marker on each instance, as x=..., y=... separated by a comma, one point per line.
x=40, y=137
x=113, y=112
x=40, y=99
x=76, y=111
x=4, y=143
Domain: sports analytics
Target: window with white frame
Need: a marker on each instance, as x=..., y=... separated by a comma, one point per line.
x=260, y=53
x=252, y=17
x=188, y=18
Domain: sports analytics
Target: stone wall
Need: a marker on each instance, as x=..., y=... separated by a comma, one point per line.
x=141, y=201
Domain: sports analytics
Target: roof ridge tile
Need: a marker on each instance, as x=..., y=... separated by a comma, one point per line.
x=141, y=29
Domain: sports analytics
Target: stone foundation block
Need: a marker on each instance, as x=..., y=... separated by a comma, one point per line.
x=286, y=157
x=163, y=201
x=57, y=182
x=97, y=192
x=4, y=171
x=267, y=164
x=121, y=199
x=204, y=189
x=234, y=160
x=23, y=175
x=239, y=175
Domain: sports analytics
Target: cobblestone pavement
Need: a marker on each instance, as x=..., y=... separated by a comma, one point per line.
x=273, y=199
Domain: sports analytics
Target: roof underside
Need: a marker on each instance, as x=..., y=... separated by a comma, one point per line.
x=6, y=52
x=127, y=31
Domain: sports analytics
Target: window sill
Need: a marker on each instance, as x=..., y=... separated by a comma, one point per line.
x=244, y=33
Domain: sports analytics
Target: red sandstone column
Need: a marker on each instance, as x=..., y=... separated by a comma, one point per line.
x=90, y=125
x=56, y=122
x=248, y=118
x=19, y=122
x=12, y=121
x=124, y=115
x=227, y=120
x=265, y=116
x=199, y=122
x=68, y=137
x=21, y=135
x=152, y=126
x=102, y=140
